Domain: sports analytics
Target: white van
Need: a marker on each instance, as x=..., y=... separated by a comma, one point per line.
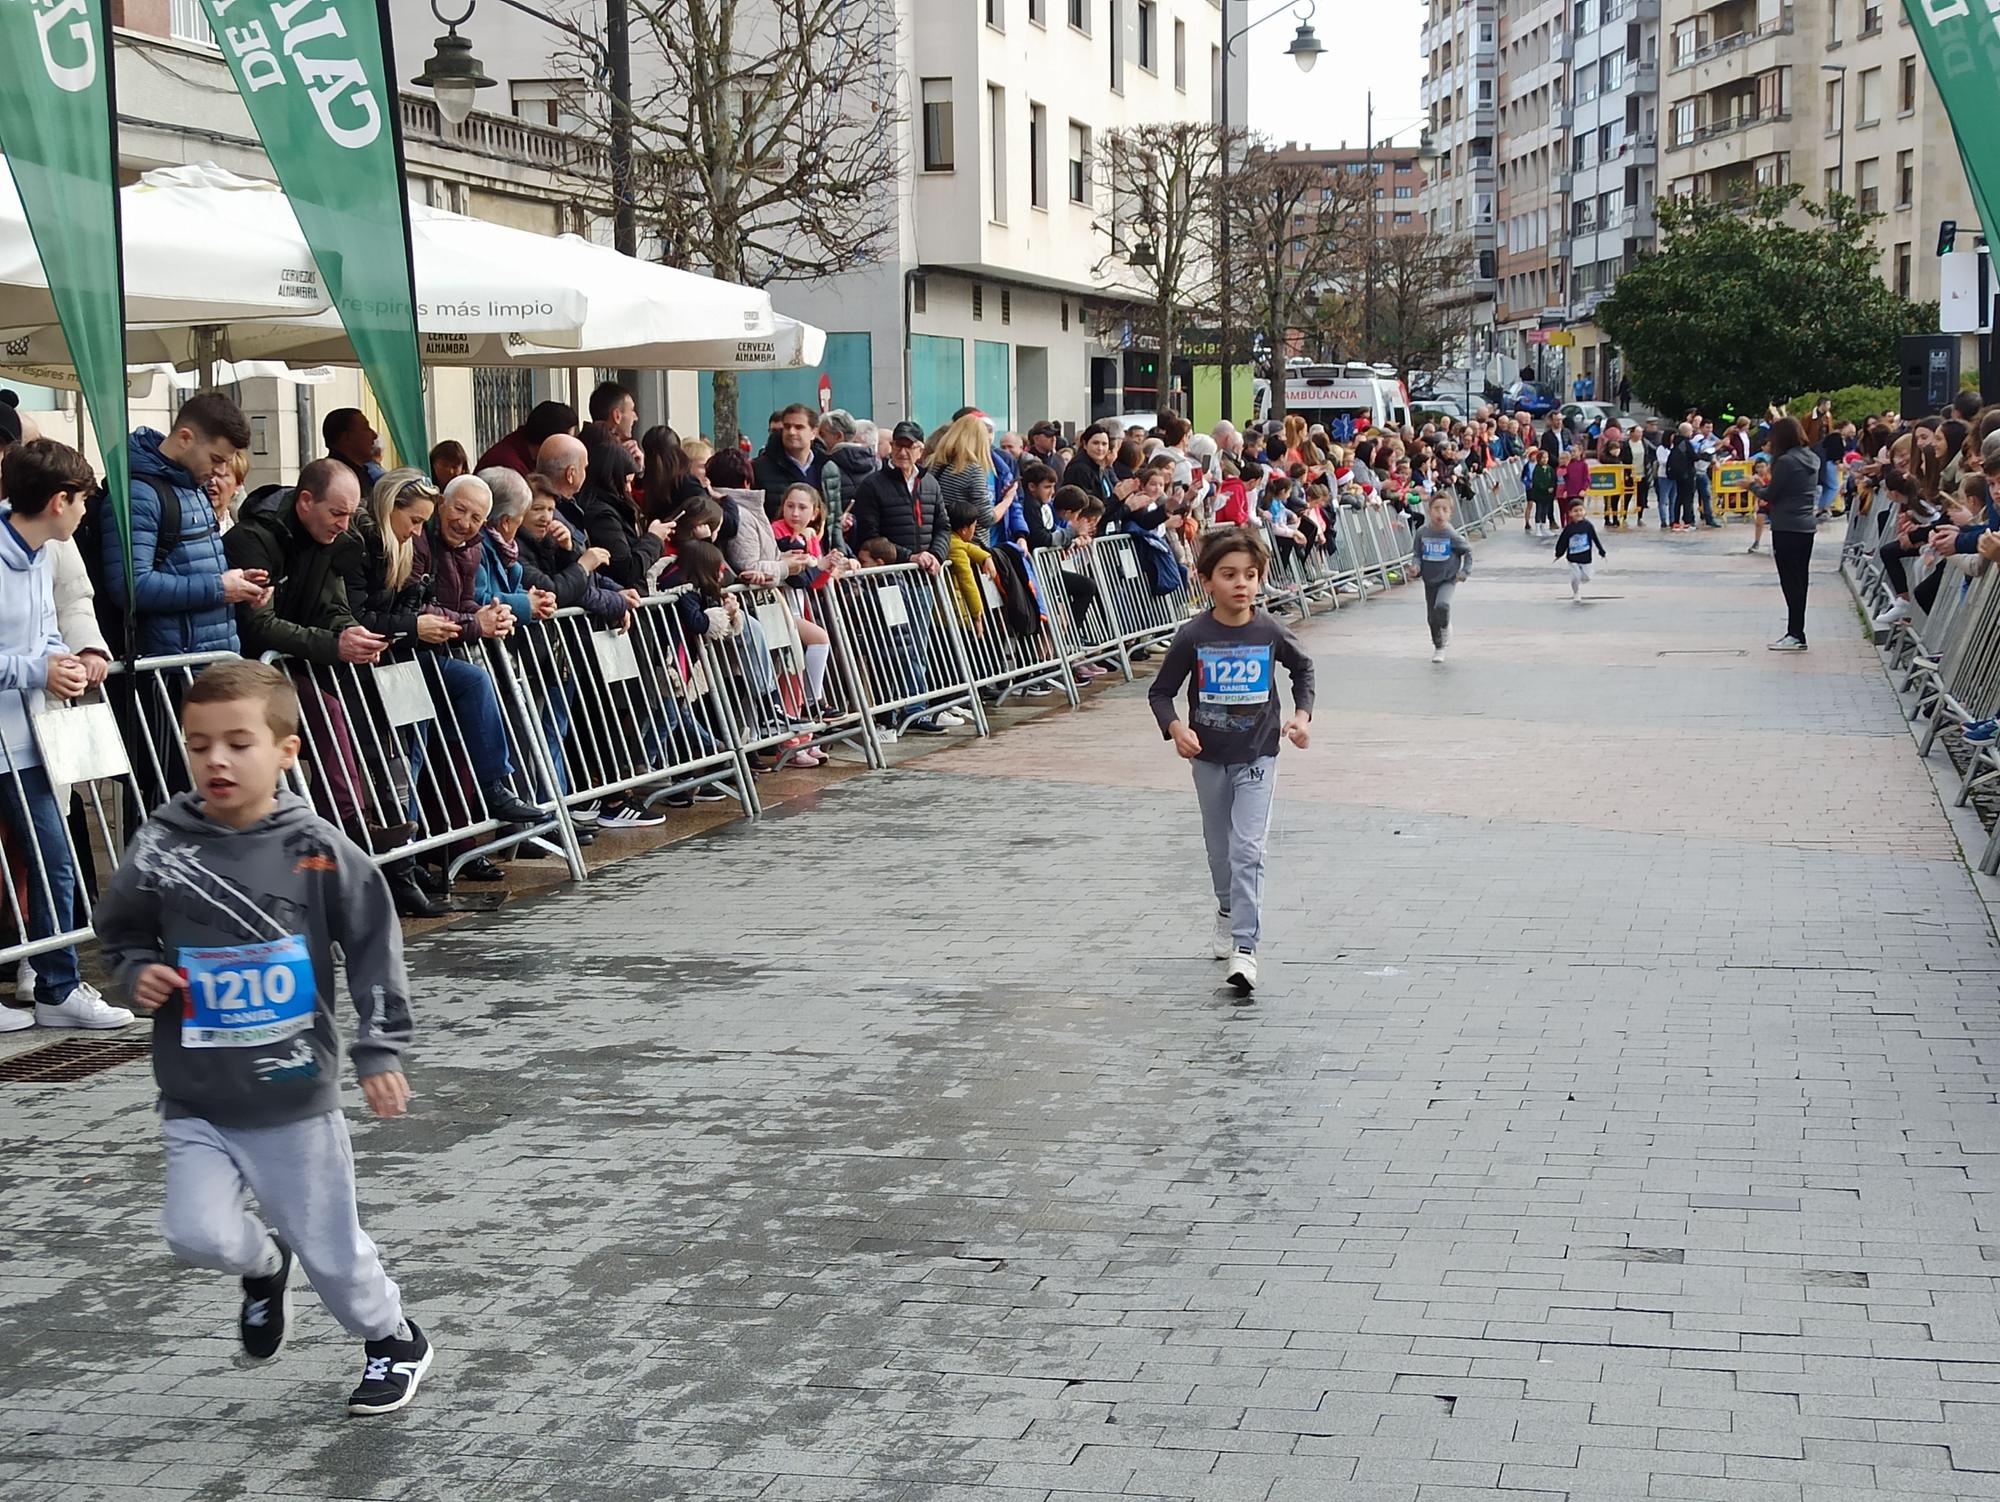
x=1326, y=393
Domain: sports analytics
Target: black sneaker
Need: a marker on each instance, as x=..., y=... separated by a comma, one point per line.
x=267, y=1308
x=393, y=1370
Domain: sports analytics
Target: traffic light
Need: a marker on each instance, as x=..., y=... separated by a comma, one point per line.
x=1947, y=235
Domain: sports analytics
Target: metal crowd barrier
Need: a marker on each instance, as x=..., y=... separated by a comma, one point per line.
x=1079, y=619
x=897, y=628
x=64, y=821
x=1004, y=661
x=402, y=753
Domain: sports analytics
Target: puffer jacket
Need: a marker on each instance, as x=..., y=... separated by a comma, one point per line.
x=610, y=524
x=748, y=541
x=454, y=574
x=848, y=467
x=179, y=605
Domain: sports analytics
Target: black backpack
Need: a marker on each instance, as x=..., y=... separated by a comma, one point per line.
x=1018, y=609
x=90, y=542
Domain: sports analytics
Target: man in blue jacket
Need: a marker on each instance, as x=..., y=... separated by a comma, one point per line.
x=184, y=593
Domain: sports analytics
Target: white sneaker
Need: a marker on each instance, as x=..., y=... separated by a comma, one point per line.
x=15, y=1019
x=956, y=718
x=1437, y=654
x=24, y=984
x=631, y=816
x=1894, y=615
x=1243, y=972
x=1225, y=943
x=84, y=1007
x=1786, y=644
x=887, y=734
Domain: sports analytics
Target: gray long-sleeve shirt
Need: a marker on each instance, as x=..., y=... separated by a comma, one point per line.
x=1233, y=700
x=1443, y=554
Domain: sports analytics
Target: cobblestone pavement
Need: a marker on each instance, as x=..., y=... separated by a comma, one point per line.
x=1617, y=1121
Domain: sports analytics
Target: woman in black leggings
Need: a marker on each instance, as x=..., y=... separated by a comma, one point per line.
x=1792, y=497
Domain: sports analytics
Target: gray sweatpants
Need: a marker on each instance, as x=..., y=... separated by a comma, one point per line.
x=1437, y=607
x=303, y=1177
x=1235, y=818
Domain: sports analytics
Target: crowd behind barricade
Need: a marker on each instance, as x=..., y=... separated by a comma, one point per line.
x=1923, y=535
x=592, y=623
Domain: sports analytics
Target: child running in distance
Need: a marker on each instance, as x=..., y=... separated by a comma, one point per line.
x=1443, y=558
x=1231, y=731
x=1573, y=546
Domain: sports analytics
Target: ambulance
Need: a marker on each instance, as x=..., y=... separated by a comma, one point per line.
x=1338, y=397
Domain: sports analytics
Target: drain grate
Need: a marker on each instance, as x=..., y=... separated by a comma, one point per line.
x=71, y=1059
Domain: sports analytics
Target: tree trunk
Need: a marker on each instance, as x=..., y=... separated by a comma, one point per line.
x=1276, y=336
x=726, y=419
x=1163, y=396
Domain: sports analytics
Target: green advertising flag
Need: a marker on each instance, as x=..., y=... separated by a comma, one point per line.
x=1962, y=49
x=318, y=77
x=57, y=115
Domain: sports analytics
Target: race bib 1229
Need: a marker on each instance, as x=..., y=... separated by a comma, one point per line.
x=1235, y=675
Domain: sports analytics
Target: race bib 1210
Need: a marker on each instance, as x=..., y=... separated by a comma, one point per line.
x=248, y=995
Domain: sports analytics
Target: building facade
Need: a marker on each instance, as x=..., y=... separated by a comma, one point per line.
x=1532, y=148
x=1461, y=48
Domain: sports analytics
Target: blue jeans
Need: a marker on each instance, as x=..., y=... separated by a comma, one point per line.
x=1701, y=491
x=1665, y=486
x=476, y=707
x=37, y=825
x=1829, y=484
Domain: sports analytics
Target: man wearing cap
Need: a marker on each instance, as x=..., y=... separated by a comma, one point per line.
x=1043, y=439
x=903, y=504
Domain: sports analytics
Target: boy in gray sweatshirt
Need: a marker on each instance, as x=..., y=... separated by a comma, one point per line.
x=221, y=922
x=1443, y=557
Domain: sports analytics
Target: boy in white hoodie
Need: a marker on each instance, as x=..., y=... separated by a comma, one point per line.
x=47, y=484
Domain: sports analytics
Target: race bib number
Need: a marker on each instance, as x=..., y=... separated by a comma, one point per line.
x=1579, y=546
x=1437, y=549
x=1235, y=675
x=248, y=995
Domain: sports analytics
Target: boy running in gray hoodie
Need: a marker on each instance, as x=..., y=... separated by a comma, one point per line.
x=221, y=922
x=1443, y=558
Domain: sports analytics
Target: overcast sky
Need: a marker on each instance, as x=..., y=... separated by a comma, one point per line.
x=1370, y=45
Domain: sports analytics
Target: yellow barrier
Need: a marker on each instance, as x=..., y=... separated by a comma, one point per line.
x=1611, y=489
x=1732, y=495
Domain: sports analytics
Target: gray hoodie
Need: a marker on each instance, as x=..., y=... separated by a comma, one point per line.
x=253, y=1040
x=1443, y=554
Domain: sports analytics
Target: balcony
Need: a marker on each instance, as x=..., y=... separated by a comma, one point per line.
x=1645, y=78
x=1643, y=150
x=1562, y=117
x=1561, y=182
x=1645, y=10
x=1779, y=25
x=1734, y=124
x=1559, y=248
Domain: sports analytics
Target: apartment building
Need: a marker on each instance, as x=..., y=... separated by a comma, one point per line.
x=1533, y=148
x=1611, y=177
x=1460, y=42
x=1396, y=171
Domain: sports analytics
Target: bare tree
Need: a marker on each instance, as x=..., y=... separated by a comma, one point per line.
x=1157, y=208
x=1297, y=227
x=1417, y=323
x=766, y=140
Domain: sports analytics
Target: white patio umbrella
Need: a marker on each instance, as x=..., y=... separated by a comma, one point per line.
x=182, y=263
x=790, y=345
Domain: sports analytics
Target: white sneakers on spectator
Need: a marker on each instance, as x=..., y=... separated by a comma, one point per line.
x=1786, y=644
x=953, y=717
x=15, y=1019
x=1894, y=615
x=24, y=983
x=1243, y=972
x=83, y=1007
x=631, y=816
x=1225, y=944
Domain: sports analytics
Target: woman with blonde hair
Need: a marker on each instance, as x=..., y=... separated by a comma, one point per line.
x=225, y=485
x=1295, y=438
x=962, y=463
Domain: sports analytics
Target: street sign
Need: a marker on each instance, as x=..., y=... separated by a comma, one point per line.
x=1561, y=338
x=1538, y=336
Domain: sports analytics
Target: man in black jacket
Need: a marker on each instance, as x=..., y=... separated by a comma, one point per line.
x=792, y=457
x=902, y=503
x=1680, y=472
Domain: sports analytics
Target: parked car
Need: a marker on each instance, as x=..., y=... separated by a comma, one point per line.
x=1438, y=409
x=1526, y=396
x=1581, y=415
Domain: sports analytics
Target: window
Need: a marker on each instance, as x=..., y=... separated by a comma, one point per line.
x=1116, y=13
x=1867, y=190
x=1079, y=163
x=1833, y=22
x=1583, y=16
x=1871, y=17
x=1038, y=156
x=1402, y=219
x=996, y=14
x=1079, y=15
x=1583, y=88
x=1180, y=56
x=1870, y=100
x=920, y=295
x=1406, y=192
x=1906, y=87
x=1903, y=269
x=1149, y=40
x=978, y=303
x=1833, y=88
x=1038, y=12
x=1611, y=72
x=1006, y=306
x=1831, y=183
x=1611, y=207
x=1683, y=118
x=938, y=151
x=996, y=148
x=1906, y=179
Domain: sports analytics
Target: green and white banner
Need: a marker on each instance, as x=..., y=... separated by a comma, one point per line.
x=57, y=128
x=1962, y=48
x=319, y=79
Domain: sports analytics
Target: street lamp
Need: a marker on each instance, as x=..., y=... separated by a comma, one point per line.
x=1304, y=50
x=453, y=75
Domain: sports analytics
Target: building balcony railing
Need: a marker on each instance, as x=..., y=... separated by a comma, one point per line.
x=509, y=139
x=1778, y=25
x=1728, y=126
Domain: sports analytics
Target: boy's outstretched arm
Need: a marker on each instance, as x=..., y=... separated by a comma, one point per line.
x=371, y=946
